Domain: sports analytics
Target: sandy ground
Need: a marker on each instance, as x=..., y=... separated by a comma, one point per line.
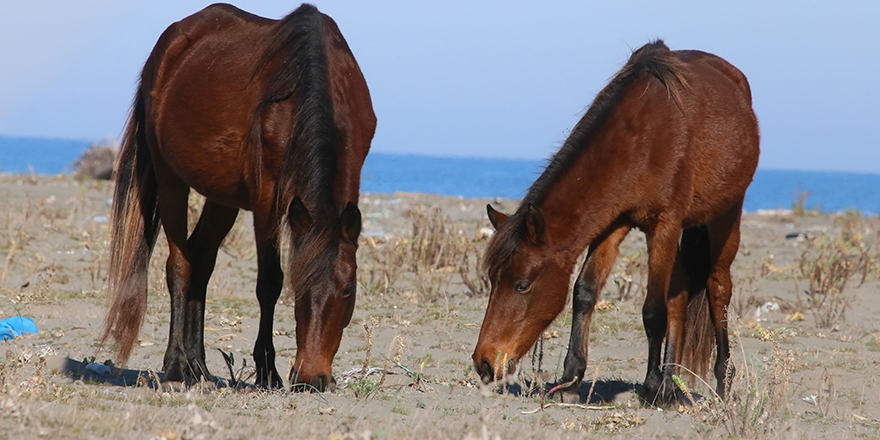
x=413, y=333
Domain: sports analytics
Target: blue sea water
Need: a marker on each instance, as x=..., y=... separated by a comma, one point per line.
x=506, y=178
x=45, y=156
x=481, y=177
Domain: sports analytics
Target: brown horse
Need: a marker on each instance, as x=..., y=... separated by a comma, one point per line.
x=272, y=116
x=669, y=147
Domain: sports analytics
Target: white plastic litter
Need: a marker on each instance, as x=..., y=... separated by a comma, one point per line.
x=101, y=369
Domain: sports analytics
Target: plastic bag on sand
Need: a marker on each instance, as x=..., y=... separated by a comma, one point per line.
x=16, y=326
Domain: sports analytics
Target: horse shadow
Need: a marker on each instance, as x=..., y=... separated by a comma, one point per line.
x=96, y=373
x=598, y=392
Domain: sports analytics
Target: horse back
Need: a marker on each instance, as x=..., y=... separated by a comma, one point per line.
x=201, y=100
x=208, y=84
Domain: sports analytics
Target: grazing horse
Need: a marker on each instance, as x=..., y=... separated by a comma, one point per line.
x=669, y=146
x=271, y=116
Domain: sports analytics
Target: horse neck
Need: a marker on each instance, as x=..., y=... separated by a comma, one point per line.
x=588, y=197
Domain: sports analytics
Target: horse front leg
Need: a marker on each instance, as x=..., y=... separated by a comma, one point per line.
x=589, y=284
x=270, y=280
x=724, y=235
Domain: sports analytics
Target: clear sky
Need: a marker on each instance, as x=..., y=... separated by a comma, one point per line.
x=482, y=78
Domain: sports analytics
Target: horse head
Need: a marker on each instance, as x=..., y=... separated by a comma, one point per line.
x=529, y=289
x=323, y=277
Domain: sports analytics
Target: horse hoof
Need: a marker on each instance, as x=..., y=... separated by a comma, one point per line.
x=173, y=374
x=659, y=393
x=273, y=384
x=172, y=386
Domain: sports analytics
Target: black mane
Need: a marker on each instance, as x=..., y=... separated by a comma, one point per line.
x=297, y=53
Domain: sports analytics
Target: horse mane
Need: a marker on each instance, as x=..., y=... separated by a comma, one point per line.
x=655, y=60
x=296, y=56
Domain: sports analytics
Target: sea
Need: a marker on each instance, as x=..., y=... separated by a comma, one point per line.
x=473, y=177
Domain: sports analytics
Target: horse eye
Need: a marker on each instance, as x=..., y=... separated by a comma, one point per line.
x=522, y=286
x=349, y=290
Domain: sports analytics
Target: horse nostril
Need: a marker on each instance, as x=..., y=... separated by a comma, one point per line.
x=485, y=371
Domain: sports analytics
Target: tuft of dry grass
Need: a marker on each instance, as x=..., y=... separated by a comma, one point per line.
x=632, y=278
x=432, y=257
x=799, y=204
x=383, y=263
x=827, y=265
x=755, y=405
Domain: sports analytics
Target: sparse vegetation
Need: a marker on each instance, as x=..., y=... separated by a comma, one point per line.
x=828, y=264
x=799, y=205
x=404, y=368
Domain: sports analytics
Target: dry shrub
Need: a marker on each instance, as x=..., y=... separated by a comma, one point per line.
x=436, y=251
x=632, y=278
x=473, y=255
x=194, y=206
x=433, y=245
x=856, y=234
x=745, y=299
x=382, y=265
x=757, y=390
x=799, y=205
x=828, y=264
x=97, y=161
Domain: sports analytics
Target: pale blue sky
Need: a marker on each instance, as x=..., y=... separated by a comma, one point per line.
x=482, y=78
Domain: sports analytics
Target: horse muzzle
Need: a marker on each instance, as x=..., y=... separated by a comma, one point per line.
x=488, y=372
x=317, y=384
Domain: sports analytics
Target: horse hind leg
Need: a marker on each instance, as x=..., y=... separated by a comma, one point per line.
x=724, y=235
x=662, y=254
x=172, y=206
x=676, y=312
x=214, y=224
x=692, y=345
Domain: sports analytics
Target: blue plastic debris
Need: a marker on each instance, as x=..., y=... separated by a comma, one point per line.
x=16, y=326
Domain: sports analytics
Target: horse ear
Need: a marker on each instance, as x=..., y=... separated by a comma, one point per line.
x=535, y=224
x=351, y=223
x=497, y=218
x=298, y=217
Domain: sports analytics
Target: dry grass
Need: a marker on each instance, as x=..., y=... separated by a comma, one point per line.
x=758, y=390
x=434, y=255
x=382, y=265
x=631, y=279
x=827, y=264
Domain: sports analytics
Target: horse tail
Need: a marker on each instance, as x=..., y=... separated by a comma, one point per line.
x=133, y=230
x=297, y=51
x=699, y=339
